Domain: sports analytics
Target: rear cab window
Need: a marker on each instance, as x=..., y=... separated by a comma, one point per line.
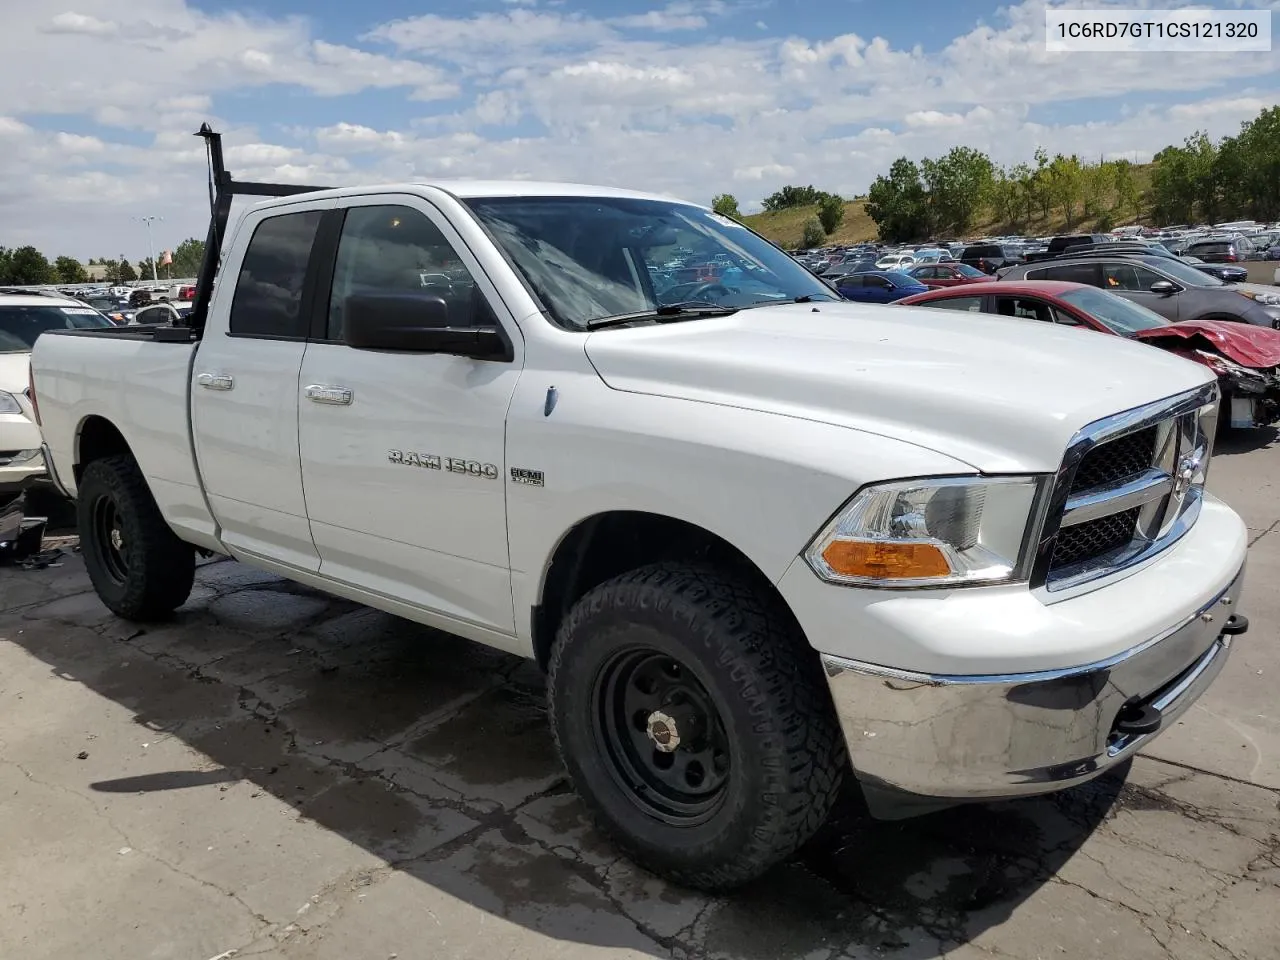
x=268, y=297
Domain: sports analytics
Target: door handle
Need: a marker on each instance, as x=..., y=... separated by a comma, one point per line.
x=319, y=393
x=212, y=381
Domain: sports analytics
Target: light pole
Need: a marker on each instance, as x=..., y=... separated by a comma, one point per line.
x=151, y=252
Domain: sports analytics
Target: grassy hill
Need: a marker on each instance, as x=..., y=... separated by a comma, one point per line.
x=786, y=227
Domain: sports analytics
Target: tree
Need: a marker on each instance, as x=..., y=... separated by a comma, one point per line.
x=1040, y=187
x=145, y=271
x=1096, y=183
x=69, y=270
x=790, y=196
x=813, y=235
x=1006, y=196
x=898, y=204
x=189, y=254
x=1066, y=184
x=725, y=204
x=1125, y=186
x=830, y=213
x=124, y=270
x=957, y=184
x=25, y=266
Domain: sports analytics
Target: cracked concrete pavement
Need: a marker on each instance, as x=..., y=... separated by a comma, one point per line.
x=280, y=774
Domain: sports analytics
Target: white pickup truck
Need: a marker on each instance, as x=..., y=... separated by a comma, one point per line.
x=758, y=537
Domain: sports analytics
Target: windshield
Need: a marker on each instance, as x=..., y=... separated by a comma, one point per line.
x=1185, y=273
x=19, y=325
x=1118, y=314
x=588, y=258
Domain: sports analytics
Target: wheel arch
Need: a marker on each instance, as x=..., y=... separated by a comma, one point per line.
x=604, y=545
x=97, y=437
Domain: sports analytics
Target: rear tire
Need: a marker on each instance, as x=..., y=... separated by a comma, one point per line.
x=138, y=566
x=695, y=722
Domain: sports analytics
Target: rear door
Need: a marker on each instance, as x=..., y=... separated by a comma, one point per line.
x=403, y=454
x=244, y=390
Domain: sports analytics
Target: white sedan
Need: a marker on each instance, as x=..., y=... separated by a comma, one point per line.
x=895, y=261
x=23, y=317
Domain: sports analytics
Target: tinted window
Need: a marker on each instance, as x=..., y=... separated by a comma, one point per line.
x=1072, y=272
x=1024, y=308
x=395, y=249
x=968, y=304
x=1128, y=276
x=19, y=326
x=268, y=298
x=1213, y=247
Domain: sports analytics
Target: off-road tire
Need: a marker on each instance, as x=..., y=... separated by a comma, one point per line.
x=160, y=568
x=787, y=752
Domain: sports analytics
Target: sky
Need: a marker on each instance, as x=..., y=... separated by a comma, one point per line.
x=99, y=98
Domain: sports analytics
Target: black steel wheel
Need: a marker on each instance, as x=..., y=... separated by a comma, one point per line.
x=664, y=736
x=695, y=722
x=108, y=537
x=138, y=566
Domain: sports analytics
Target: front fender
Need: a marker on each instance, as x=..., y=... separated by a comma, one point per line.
x=765, y=483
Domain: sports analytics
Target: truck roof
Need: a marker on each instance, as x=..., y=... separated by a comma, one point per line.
x=468, y=189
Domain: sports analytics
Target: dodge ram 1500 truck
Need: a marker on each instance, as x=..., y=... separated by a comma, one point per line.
x=757, y=536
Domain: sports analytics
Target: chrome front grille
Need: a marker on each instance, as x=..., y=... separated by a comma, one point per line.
x=1116, y=460
x=1129, y=486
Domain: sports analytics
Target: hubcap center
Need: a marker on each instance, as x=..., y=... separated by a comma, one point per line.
x=117, y=540
x=663, y=731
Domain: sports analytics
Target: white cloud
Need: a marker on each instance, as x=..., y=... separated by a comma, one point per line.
x=80, y=23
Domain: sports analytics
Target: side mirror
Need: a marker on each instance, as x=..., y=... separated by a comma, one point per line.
x=414, y=322
x=1164, y=288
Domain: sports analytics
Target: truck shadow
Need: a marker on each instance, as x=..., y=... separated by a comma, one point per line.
x=434, y=755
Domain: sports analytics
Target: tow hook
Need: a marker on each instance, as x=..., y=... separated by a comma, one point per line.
x=1236, y=624
x=1138, y=719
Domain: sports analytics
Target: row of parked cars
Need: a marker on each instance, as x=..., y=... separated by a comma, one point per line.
x=1126, y=289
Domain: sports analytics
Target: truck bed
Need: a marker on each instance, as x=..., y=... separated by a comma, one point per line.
x=151, y=332
x=139, y=385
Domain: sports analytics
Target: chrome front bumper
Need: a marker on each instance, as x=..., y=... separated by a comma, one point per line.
x=918, y=740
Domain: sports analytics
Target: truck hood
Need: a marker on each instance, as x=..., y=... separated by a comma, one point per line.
x=1247, y=344
x=1001, y=395
x=13, y=371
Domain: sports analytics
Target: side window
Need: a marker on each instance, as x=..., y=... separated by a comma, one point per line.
x=851, y=282
x=390, y=249
x=927, y=273
x=876, y=282
x=1128, y=276
x=268, y=298
x=964, y=304
x=1062, y=318
x=1023, y=308
x=1072, y=272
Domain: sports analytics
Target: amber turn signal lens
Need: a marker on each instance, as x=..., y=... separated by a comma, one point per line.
x=885, y=560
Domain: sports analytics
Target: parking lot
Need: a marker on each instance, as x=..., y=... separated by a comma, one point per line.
x=278, y=774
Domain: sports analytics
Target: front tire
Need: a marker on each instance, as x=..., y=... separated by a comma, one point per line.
x=138, y=566
x=695, y=723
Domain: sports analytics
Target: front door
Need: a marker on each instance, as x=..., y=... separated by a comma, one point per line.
x=1133, y=282
x=244, y=400
x=403, y=457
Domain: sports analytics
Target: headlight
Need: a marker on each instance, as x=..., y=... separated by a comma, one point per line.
x=940, y=531
x=9, y=403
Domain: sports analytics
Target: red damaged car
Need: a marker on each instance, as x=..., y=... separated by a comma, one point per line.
x=1246, y=358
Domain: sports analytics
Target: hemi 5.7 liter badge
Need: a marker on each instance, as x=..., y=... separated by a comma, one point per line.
x=531, y=477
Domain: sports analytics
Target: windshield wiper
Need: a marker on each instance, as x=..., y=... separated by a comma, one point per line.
x=668, y=313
